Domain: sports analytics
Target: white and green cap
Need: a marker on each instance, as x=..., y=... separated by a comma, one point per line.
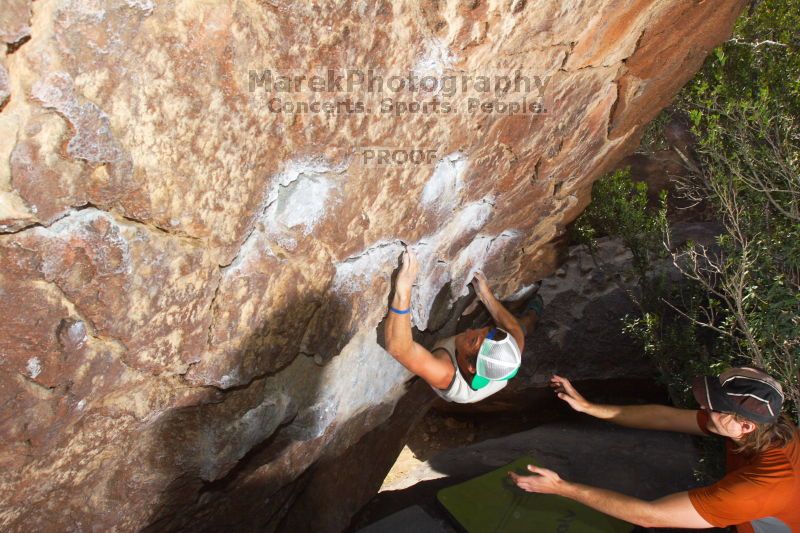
x=498, y=360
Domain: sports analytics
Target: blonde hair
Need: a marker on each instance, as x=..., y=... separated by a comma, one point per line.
x=770, y=435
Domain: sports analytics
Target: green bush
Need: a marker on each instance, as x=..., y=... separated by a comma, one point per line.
x=738, y=303
x=744, y=107
x=619, y=209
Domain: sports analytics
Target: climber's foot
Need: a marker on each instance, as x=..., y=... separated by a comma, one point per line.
x=531, y=313
x=534, y=305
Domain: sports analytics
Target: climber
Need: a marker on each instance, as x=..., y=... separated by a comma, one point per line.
x=467, y=367
x=759, y=492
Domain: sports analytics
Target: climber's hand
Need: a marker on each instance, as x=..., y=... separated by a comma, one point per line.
x=543, y=481
x=564, y=390
x=482, y=289
x=408, y=271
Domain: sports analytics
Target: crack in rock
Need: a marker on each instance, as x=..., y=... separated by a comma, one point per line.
x=355, y=273
x=5, y=87
x=15, y=24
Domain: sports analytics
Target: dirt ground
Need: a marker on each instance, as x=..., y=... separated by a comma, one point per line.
x=440, y=431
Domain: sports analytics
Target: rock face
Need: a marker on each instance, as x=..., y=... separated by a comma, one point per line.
x=194, y=262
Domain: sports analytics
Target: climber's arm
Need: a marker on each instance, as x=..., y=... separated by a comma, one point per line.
x=501, y=316
x=399, y=342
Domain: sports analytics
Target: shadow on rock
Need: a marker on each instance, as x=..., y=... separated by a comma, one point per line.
x=236, y=459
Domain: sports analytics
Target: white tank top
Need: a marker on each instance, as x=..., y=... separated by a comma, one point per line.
x=459, y=390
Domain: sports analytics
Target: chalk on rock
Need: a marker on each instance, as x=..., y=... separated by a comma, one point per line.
x=72, y=334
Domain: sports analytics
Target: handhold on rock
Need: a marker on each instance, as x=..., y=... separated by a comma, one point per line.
x=71, y=334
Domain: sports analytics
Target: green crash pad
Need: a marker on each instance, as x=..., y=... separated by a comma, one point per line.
x=492, y=503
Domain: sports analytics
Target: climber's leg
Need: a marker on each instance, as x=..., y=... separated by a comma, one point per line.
x=530, y=314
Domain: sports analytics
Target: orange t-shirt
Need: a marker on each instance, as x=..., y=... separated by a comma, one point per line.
x=759, y=494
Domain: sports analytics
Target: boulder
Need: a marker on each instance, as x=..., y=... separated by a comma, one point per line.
x=202, y=204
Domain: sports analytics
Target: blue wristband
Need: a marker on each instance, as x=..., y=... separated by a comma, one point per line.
x=398, y=311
